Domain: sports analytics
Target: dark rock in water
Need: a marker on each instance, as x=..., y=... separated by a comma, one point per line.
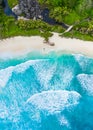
x=30, y=8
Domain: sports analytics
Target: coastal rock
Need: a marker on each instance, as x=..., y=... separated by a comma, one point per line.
x=17, y=10
x=29, y=8
x=22, y=18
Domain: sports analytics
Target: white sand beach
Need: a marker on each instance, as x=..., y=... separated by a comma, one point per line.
x=21, y=45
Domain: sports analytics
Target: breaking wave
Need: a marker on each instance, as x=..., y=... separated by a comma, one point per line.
x=49, y=93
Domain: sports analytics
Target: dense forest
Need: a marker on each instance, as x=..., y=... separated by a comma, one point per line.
x=71, y=12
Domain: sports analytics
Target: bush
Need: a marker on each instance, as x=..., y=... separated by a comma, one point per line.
x=58, y=13
x=31, y=24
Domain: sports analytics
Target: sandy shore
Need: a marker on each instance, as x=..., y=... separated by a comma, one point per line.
x=21, y=45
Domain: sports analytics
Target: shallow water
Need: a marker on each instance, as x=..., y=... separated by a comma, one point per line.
x=52, y=92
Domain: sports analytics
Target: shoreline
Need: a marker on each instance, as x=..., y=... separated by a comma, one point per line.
x=21, y=45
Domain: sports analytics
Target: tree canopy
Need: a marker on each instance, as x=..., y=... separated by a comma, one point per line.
x=69, y=12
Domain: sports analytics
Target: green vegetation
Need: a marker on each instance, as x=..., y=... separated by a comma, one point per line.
x=71, y=12
x=11, y=27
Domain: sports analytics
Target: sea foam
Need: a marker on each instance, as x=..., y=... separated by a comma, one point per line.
x=46, y=94
x=54, y=101
x=86, y=82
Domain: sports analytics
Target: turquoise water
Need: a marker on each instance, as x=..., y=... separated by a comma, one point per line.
x=52, y=92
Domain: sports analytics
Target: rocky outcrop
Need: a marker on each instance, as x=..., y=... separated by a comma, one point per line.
x=29, y=8
x=17, y=10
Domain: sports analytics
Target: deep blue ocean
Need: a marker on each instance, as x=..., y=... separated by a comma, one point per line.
x=46, y=92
